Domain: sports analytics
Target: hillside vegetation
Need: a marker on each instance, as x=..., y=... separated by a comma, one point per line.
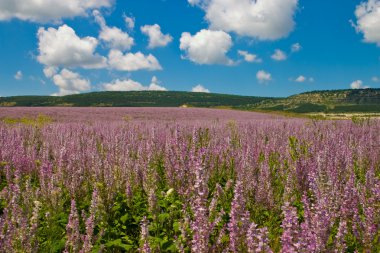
x=337, y=101
x=134, y=99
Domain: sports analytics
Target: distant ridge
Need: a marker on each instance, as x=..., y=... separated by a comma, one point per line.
x=134, y=99
x=329, y=101
x=334, y=101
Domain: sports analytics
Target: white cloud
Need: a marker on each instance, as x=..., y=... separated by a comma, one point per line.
x=262, y=19
x=279, y=55
x=207, y=47
x=50, y=71
x=130, y=85
x=375, y=79
x=156, y=37
x=62, y=47
x=248, y=57
x=358, y=84
x=368, y=20
x=123, y=85
x=70, y=83
x=130, y=21
x=263, y=76
x=194, y=2
x=48, y=10
x=115, y=37
x=18, y=75
x=300, y=79
x=155, y=85
x=296, y=47
x=132, y=61
x=200, y=88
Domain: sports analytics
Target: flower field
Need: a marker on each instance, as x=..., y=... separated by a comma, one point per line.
x=186, y=180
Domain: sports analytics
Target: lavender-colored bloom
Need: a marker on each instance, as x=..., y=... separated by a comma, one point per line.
x=239, y=219
x=145, y=236
x=90, y=223
x=340, y=242
x=251, y=238
x=72, y=230
x=329, y=170
x=257, y=239
x=200, y=225
x=290, y=226
x=152, y=201
x=308, y=236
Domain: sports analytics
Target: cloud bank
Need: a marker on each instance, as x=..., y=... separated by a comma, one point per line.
x=207, y=47
x=261, y=19
x=43, y=11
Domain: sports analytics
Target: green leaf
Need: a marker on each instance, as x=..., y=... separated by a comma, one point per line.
x=172, y=248
x=124, y=218
x=165, y=244
x=163, y=217
x=119, y=244
x=176, y=226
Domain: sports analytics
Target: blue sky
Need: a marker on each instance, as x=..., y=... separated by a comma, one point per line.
x=262, y=48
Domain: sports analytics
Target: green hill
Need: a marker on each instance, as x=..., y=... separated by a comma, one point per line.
x=134, y=99
x=335, y=101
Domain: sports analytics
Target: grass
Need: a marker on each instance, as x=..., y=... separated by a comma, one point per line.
x=38, y=121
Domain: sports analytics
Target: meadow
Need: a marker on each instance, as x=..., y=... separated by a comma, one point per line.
x=186, y=180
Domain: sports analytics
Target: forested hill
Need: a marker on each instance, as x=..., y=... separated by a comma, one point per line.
x=335, y=101
x=134, y=99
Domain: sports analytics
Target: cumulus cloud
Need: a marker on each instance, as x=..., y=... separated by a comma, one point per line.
x=155, y=85
x=200, y=88
x=48, y=10
x=70, y=82
x=279, y=55
x=130, y=22
x=296, y=47
x=123, y=85
x=248, y=57
x=132, y=61
x=375, y=79
x=358, y=84
x=50, y=71
x=207, y=47
x=261, y=19
x=113, y=36
x=263, y=76
x=300, y=79
x=368, y=20
x=130, y=85
x=18, y=75
x=194, y=2
x=62, y=47
x=156, y=37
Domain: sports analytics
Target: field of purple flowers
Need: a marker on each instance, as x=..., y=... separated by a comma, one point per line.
x=186, y=180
